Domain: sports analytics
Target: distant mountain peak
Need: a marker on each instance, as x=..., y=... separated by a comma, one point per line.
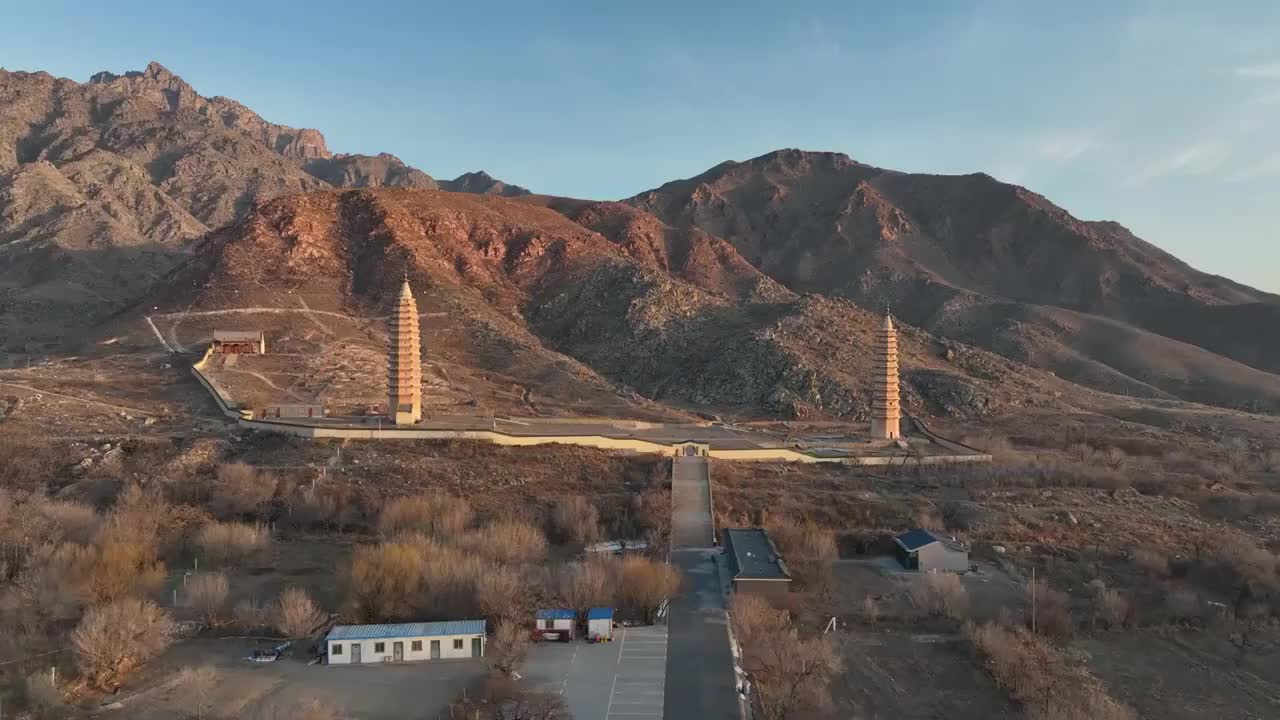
x=482, y=183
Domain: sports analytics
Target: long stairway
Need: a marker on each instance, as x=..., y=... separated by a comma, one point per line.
x=700, y=679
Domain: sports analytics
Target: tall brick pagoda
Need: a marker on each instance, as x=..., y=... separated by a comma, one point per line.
x=404, y=361
x=886, y=413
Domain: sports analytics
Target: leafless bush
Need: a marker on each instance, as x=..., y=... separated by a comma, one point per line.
x=505, y=699
x=940, y=594
x=1111, y=607
x=442, y=516
x=646, y=583
x=386, y=581
x=576, y=520
x=66, y=521
x=502, y=595
x=232, y=543
x=810, y=551
x=207, y=595
x=1049, y=611
x=870, y=610
x=114, y=570
x=251, y=615
x=198, y=686
x=314, y=710
x=295, y=614
x=507, y=648
x=1041, y=678
x=1153, y=561
x=111, y=640
x=790, y=674
x=451, y=576
x=592, y=583
x=512, y=542
x=242, y=491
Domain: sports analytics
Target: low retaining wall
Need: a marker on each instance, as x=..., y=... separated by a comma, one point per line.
x=602, y=442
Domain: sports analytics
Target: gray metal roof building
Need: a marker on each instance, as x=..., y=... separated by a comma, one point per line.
x=921, y=549
x=422, y=629
x=754, y=561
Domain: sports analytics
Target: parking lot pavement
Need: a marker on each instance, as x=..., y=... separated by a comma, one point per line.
x=621, y=680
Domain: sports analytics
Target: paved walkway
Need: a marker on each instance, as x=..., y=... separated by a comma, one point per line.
x=700, y=680
x=620, y=680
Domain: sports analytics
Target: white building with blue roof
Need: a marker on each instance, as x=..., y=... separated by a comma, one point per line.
x=405, y=642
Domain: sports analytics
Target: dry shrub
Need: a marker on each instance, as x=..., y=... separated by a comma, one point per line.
x=112, y=640
x=242, y=491
x=512, y=542
x=199, y=687
x=442, y=516
x=1113, y=608
x=870, y=610
x=1041, y=678
x=809, y=550
x=251, y=615
x=295, y=614
x=386, y=581
x=232, y=543
x=940, y=594
x=790, y=674
x=1154, y=562
x=507, y=648
x=207, y=595
x=1049, y=611
x=66, y=521
x=502, y=698
x=502, y=595
x=645, y=584
x=451, y=576
x=576, y=520
x=314, y=710
x=114, y=570
x=592, y=583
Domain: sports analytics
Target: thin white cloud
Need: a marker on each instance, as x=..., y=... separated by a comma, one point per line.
x=1199, y=158
x=1063, y=148
x=1264, y=168
x=1264, y=71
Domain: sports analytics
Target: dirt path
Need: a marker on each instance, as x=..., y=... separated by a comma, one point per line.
x=73, y=398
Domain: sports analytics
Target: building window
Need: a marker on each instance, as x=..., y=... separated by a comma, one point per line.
x=337, y=649
x=417, y=646
x=457, y=643
x=379, y=647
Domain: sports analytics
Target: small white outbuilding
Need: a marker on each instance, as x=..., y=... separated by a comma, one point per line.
x=405, y=642
x=600, y=624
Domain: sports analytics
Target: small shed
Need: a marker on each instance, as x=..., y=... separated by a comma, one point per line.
x=755, y=564
x=924, y=550
x=240, y=342
x=600, y=624
x=404, y=642
x=556, y=624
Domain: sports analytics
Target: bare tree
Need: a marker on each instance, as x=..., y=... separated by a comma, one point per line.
x=512, y=542
x=386, y=581
x=576, y=520
x=502, y=594
x=790, y=674
x=646, y=583
x=810, y=551
x=115, y=569
x=592, y=583
x=242, y=491
x=295, y=614
x=111, y=640
x=232, y=543
x=442, y=516
x=507, y=648
x=207, y=595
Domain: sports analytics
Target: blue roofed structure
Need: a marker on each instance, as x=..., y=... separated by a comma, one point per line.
x=401, y=630
x=927, y=551
x=600, y=613
x=913, y=540
x=557, y=614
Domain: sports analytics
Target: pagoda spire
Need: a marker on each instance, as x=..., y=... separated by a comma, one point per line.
x=886, y=413
x=404, y=360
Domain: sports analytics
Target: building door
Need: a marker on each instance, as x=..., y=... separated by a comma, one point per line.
x=397, y=651
x=477, y=647
x=435, y=649
x=355, y=653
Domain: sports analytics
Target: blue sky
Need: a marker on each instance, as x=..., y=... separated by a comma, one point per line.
x=1161, y=115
